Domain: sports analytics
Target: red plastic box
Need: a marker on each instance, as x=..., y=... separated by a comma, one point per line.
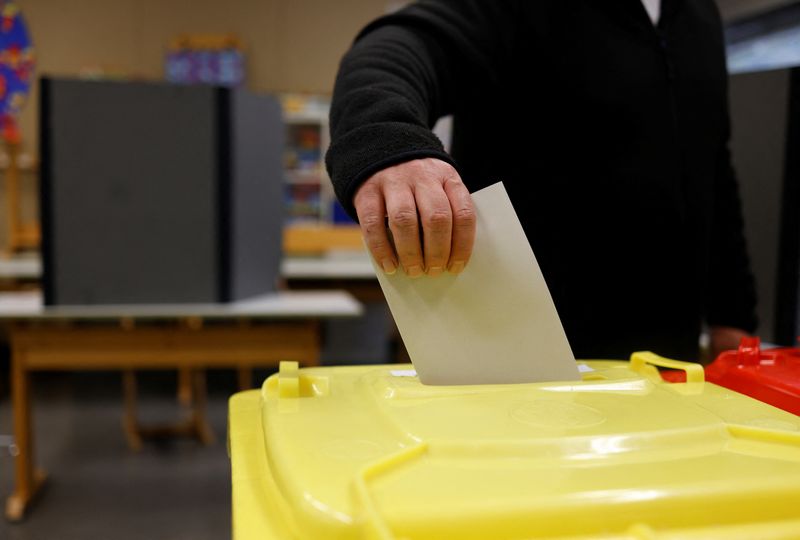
x=771, y=376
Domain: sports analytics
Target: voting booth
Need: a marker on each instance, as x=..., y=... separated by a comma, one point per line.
x=159, y=193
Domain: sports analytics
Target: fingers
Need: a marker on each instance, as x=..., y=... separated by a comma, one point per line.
x=401, y=208
x=464, y=223
x=437, y=225
x=371, y=210
x=426, y=193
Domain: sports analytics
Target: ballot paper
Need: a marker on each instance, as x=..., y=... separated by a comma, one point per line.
x=493, y=323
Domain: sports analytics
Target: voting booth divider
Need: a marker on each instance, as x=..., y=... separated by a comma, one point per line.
x=159, y=193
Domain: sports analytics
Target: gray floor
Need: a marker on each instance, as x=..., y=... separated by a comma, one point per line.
x=177, y=489
x=98, y=488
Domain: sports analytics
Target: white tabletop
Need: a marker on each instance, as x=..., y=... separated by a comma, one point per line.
x=21, y=267
x=279, y=305
x=334, y=265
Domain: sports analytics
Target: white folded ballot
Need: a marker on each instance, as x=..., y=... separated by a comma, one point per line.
x=493, y=323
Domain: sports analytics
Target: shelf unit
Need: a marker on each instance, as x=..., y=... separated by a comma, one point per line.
x=310, y=199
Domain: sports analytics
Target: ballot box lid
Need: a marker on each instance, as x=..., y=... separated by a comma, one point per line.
x=769, y=375
x=370, y=452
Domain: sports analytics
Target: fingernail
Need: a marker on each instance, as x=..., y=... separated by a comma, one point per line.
x=389, y=267
x=414, y=271
x=456, y=267
x=434, y=270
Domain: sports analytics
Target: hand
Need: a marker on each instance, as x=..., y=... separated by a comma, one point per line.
x=724, y=338
x=426, y=192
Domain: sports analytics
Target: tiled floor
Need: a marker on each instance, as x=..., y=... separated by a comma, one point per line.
x=98, y=488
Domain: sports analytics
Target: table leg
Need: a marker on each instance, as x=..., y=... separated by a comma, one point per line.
x=130, y=423
x=196, y=425
x=244, y=375
x=202, y=429
x=185, y=386
x=28, y=481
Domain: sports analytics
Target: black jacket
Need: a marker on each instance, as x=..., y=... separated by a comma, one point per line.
x=610, y=135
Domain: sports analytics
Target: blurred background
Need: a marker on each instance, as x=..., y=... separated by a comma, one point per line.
x=149, y=64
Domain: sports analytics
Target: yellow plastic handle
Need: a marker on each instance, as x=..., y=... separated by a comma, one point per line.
x=639, y=361
x=375, y=526
x=289, y=380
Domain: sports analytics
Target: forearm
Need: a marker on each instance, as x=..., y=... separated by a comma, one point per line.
x=381, y=110
x=402, y=74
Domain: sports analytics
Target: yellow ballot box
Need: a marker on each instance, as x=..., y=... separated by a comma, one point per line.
x=367, y=452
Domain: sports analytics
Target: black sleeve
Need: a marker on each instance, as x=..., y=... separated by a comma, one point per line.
x=732, y=296
x=404, y=72
x=731, y=286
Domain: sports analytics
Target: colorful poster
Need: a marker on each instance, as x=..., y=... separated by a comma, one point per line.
x=16, y=67
x=206, y=60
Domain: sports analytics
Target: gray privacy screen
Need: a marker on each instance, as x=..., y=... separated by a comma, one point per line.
x=141, y=201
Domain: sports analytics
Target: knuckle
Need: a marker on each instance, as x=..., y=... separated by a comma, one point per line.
x=369, y=190
x=450, y=176
x=404, y=219
x=415, y=165
x=465, y=217
x=371, y=223
x=401, y=181
x=438, y=220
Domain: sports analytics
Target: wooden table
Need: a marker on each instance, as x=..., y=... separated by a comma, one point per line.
x=260, y=331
